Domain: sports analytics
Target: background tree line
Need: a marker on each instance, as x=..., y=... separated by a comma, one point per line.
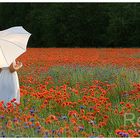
x=75, y=24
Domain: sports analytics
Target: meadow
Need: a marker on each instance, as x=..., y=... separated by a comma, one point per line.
x=75, y=92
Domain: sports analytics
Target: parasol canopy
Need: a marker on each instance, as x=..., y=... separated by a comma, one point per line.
x=13, y=42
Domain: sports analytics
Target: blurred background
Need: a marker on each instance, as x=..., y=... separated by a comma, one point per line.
x=75, y=24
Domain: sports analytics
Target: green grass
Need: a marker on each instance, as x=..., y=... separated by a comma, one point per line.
x=120, y=76
x=81, y=73
x=84, y=76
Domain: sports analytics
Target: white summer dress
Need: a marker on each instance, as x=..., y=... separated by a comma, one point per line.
x=9, y=86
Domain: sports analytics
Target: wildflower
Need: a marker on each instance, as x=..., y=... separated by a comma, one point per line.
x=121, y=133
x=138, y=131
x=32, y=119
x=37, y=124
x=106, y=117
x=73, y=113
x=82, y=111
x=121, y=103
x=26, y=126
x=81, y=128
x=13, y=100
x=64, y=117
x=72, y=120
x=82, y=107
x=128, y=105
x=131, y=131
x=15, y=120
x=92, y=122
x=29, y=123
x=53, y=131
x=92, y=137
x=1, y=104
x=91, y=109
x=2, y=117
x=32, y=111
x=48, y=121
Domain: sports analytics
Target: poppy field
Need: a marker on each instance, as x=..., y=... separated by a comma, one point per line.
x=75, y=92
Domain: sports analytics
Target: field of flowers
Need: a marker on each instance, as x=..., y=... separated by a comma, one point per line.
x=75, y=93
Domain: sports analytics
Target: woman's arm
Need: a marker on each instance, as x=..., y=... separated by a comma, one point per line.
x=15, y=67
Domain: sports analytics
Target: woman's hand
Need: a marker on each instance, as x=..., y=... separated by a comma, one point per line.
x=15, y=66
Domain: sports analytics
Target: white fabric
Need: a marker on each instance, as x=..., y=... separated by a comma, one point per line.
x=9, y=86
x=13, y=42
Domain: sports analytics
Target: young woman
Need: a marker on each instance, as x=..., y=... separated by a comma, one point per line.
x=9, y=83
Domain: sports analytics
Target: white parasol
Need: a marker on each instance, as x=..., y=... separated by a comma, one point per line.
x=13, y=42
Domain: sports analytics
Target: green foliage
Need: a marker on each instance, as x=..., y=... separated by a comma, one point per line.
x=123, y=25
x=111, y=74
x=121, y=77
x=75, y=25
